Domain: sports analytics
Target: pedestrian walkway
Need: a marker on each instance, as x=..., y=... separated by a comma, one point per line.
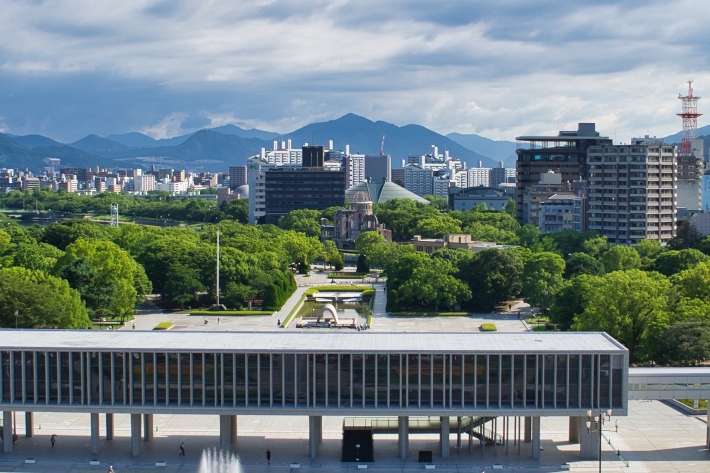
x=655, y=438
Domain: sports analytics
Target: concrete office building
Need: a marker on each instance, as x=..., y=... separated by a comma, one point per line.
x=282, y=154
x=632, y=192
x=478, y=177
x=292, y=188
x=534, y=195
x=564, y=154
x=378, y=168
x=237, y=176
x=398, y=176
x=469, y=198
x=326, y=373
x=562, y=211
x=690, y=175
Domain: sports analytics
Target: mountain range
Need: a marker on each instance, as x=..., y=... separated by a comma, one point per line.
x=218, y=148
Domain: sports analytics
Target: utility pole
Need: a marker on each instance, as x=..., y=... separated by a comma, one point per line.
x=217, y=265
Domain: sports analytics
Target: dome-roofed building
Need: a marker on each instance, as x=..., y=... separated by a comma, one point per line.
x=379, y=192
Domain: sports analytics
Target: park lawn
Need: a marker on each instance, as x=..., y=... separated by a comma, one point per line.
x=431, y=313
x=221, y=313
x=689, y=402
x=334, y=288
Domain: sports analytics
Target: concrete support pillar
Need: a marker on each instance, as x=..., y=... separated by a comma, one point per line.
x=94, y=432
x=458, y=434
x=536, y=437
x=315, y=429
x=444, y=435
x=588, y=441
x=29, y=425
x=707, y=428
x=528, y=430
x=147, y=427
x=234, y=430
x=7, y=431
x=135, y=434
x=403, y=436
x=109, y=426
x=575, y=424
x=227, y=431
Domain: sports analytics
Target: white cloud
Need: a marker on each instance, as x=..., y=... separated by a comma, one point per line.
x=495, y=68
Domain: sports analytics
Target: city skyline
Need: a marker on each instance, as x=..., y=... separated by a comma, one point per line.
x=72, y=68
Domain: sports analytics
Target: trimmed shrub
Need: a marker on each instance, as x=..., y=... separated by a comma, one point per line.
x=489, y=328
x=164, y=326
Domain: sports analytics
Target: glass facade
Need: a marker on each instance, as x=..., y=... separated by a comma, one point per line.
x=501, y=381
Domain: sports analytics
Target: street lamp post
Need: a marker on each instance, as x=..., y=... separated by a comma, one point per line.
x=17, y=312
x=599, y=423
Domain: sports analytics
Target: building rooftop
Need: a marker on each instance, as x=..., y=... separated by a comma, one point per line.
x=382, y=192
x=285, y=341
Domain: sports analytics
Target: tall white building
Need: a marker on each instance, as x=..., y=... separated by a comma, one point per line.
x=144, y=183
x=478, y=177
x=282, y=154
x=632, y=192
x=354, y=169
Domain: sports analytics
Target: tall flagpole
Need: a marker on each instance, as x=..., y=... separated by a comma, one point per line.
x=217, y=265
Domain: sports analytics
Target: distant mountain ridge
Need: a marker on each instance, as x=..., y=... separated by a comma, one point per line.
x=218, y=148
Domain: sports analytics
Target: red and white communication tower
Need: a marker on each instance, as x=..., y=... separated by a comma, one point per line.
x=690, y=120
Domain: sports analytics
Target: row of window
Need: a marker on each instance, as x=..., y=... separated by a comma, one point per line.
x=313, y=380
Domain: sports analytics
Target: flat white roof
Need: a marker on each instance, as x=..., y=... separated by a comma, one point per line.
x=326, y=340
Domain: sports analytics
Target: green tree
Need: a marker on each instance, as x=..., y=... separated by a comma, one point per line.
x=332, y=256
x=541, y=279
x=236, y=209
x=109, y=267
x=511, y=208
x=595, y=247
x=582, y=263
x=437, y=227
x=182, y=285
x=494, y=276
x=529, y=236
x=675, y=261
x=684, y=343
x=301, y=249
x=631, y=306
x=619, y=258
x=41, y=301
x=686, y=236
x=648, y=250
x=569, y=300
x=438, y=202
x=693, y=283
x=303, y=221
x=64, y=233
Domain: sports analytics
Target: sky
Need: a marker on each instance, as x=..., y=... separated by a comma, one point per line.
x=499, y=69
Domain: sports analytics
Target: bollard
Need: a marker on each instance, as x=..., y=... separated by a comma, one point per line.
x=627, y=463
x=618, y=452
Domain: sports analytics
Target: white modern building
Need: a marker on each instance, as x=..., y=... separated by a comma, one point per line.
x=144, y=183
x=418, y=179
x=478, y=177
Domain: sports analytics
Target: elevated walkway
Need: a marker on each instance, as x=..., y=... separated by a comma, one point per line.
x=669, y=383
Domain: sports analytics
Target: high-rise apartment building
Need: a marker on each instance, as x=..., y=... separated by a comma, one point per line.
x=478, y=177
x=144, y=183
x=632, y=192
x=418, y=179
x=237, y=176
x=354, y=165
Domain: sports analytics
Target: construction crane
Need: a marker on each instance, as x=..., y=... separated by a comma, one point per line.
x=382, y=146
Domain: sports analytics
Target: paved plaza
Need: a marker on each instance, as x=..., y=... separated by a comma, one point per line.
x=653, y=438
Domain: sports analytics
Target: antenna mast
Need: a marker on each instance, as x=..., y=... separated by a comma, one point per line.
x=690, y=120
x=114, y=215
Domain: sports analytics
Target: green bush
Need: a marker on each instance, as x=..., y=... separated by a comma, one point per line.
x=489, y=328
x=163, y=326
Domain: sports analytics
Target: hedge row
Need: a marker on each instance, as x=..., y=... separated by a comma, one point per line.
x=278, y=293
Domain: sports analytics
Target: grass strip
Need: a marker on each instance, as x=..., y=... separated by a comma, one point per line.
x=164, y=326
x=294, y=311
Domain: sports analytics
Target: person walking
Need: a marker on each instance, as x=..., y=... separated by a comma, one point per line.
x=616, y=425
x=110, y=469
x=53, y=439
x=219, y=320
x=182, y=449
x=268, y=457
x=134, y=325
